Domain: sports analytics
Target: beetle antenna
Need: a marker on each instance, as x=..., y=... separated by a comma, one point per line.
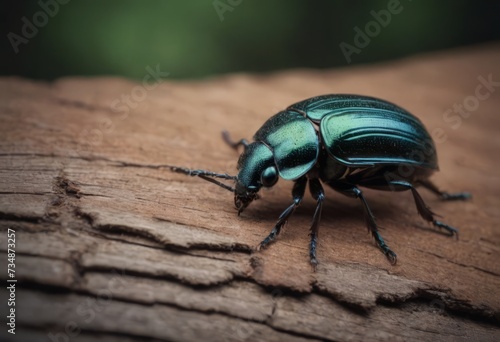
x=203, y=174
x=222, y=185
x=191, y=172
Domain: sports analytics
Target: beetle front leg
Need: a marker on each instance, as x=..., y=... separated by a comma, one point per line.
x=443, y=194
x=298, y=191
x=318, y=194
x=353, y=191
x=234, y=144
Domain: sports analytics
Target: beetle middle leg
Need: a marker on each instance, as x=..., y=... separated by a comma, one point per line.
x=443, y=194
x=351, y=190
x=298, y=191
x=318, y=194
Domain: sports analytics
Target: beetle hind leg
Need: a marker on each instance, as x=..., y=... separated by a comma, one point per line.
x=443, y=194
x=353, y=191
x=423, y=209
x=426, y=212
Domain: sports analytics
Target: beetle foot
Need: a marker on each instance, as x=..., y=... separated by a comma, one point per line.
x=272, y=235
x=262, y=245
x=314, y=263
x=450, y=229
x=312, y=249
x=445, y=196
x=391, y=256
x=312, y=253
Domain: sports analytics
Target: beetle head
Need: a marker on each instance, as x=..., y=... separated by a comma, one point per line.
x=256, y=169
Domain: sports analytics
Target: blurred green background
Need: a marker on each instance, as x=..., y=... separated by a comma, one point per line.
x=195, y=39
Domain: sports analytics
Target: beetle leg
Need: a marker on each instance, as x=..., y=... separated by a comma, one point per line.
x=443, y=194
x=423, y=209
x=234, y=144
x=353, y=191
x=318, y=194
x=298, y=191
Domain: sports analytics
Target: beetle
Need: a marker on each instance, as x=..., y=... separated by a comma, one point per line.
x=345, y=141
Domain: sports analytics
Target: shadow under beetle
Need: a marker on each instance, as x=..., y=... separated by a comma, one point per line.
x=344, y=141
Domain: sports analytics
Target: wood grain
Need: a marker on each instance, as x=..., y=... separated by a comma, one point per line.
x=111, y=246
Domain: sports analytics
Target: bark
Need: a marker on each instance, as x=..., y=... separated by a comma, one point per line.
x=112, y=246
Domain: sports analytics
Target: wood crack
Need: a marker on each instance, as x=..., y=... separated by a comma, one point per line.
x=459, y=264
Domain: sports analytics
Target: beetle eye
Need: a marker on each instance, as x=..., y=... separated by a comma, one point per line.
x=269, y=176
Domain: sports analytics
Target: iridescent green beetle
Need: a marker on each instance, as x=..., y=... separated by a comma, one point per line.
x=344, y=141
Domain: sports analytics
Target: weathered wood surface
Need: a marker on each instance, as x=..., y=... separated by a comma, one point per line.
x=111, y=246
